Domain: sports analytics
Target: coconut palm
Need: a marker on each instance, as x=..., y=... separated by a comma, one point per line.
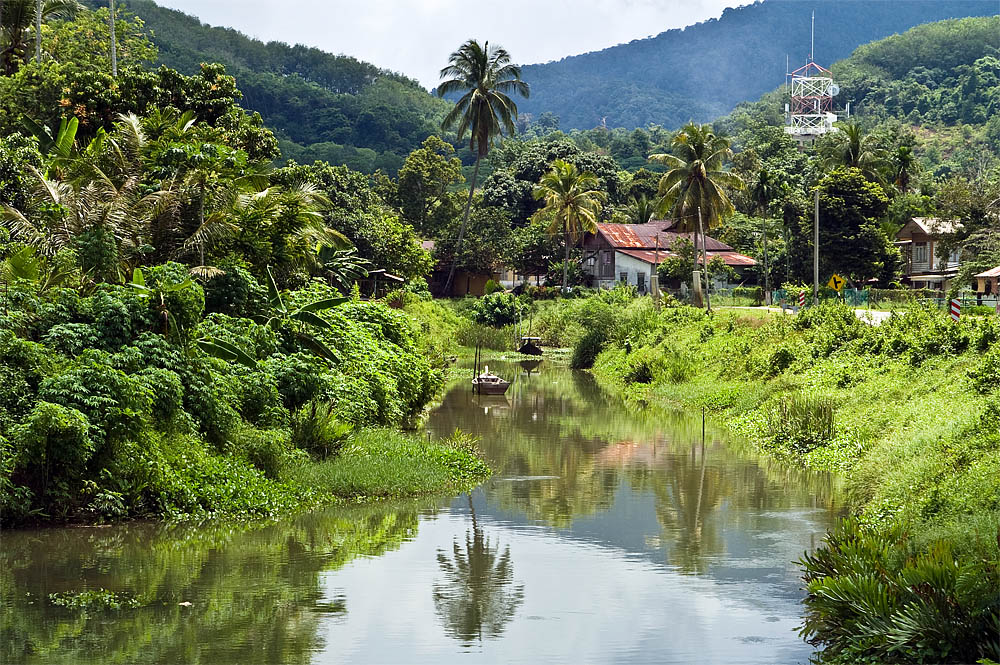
x=641, y=209
x=478, y=596
x=695, y=184
x=572, y=204
x=486, y=78
x=21, y=18
x=903, y=165
x=853, y=148
x=765, y=190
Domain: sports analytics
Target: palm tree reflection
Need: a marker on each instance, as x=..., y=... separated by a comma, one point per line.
x=477, y=597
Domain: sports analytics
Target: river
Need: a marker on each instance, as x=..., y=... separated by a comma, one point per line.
x=606, y=535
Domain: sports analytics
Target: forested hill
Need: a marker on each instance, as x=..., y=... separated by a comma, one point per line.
x=320, y=106
x=704, y=70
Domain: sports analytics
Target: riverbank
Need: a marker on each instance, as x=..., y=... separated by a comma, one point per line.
x=906, y=412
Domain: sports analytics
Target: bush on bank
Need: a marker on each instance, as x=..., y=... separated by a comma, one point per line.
x=110, y=408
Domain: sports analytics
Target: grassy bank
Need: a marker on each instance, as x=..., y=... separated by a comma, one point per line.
x=906, y=412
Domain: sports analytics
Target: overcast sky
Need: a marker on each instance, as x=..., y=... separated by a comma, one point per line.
x=415, y=37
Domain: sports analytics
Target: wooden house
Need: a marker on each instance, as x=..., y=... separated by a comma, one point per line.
x=926, y=265
x=630, y=253
x=988, y=283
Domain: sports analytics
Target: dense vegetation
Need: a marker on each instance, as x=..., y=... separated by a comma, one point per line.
x=321, y=106
x=170, y=339
x=704, y=70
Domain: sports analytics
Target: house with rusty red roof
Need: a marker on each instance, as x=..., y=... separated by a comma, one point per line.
x=630, y=253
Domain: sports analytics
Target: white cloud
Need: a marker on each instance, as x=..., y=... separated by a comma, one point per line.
x=415, y=37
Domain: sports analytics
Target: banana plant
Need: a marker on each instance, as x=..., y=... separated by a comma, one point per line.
x=26, y=265
x=294, y=318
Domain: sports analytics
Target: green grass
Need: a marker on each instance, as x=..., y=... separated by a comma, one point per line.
x=381, y=463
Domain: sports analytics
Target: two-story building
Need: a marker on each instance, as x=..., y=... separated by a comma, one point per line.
x=926, y=265
x=630, y=253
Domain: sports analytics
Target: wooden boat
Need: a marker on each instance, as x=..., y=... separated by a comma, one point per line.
x=529, y=346
x=488, y=383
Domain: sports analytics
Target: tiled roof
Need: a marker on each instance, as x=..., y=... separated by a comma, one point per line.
x=648, y=236
x=655, y=258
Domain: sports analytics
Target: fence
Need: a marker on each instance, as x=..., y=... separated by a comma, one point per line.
x=890, y=298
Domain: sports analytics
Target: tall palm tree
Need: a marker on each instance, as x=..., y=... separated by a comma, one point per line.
x=766, y=189
x=903, y=165
x=695, y=184
x=486, y=78
x=572, y=203
x=21, y=18
x=853, y=148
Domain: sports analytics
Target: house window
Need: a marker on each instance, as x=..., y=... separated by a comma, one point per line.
x=955, y=257
x=920, y=252
x=607, y=258
x=623, y=277
x=640, y=281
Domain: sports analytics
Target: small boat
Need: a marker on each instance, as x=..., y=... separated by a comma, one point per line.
x=488, y=383
x=529, y=346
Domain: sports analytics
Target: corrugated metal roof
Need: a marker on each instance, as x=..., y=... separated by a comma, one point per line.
x=649, y=236
x=993, y=272
x=655, y=258
x=936, y=226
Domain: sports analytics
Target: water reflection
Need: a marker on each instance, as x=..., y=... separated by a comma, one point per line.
x=605, y=535
x=478, y=596
x=254, y=594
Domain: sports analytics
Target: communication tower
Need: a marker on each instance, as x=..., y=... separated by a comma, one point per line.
x=810, y=113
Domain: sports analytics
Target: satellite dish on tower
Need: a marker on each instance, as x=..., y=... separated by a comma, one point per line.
x=834, y=90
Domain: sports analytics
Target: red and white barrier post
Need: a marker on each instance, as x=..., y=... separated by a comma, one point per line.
x=956, y=309
x=802, y=299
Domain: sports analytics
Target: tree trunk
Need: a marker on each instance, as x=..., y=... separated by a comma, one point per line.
x=704, y=249
x=114, y=46
x=38, y=31
x=767, y=270
x=201, y=224
x=461, y=230
x=566, y=263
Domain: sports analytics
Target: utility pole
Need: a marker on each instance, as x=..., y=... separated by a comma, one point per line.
x=704, y=263
x=816, y=251
x=114, y=46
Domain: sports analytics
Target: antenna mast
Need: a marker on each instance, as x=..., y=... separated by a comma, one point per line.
x=812, y=38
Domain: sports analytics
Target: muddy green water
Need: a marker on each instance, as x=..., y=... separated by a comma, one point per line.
x=605, y=536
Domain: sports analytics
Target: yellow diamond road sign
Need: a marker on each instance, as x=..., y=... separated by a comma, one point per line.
x=837, y=283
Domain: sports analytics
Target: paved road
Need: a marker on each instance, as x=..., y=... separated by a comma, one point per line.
x=870, y=316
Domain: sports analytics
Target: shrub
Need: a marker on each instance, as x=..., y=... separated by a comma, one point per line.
x=986, y=377
x=498, y=309
x=269, y=450
x=51, y=446
x=586, y=350
x=872, y=599
x=316, y=430
x=492, y=287
x=235, y=292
